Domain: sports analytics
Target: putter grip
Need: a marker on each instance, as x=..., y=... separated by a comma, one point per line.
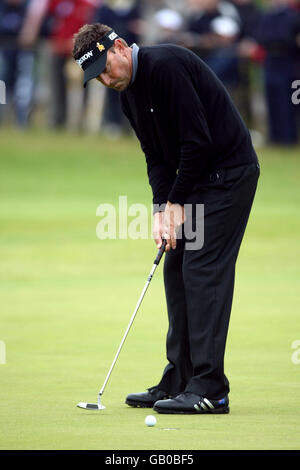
x=160, y=252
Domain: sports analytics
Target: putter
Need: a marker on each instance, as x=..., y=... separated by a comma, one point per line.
x=98, y=405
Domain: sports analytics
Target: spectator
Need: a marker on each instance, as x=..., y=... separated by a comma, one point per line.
x=277, y=32
x=16, y=64
x=214, y=28
x=124, y=17
x=63, y=19
x=169, y=23
x=151, y=28
x=249, y=16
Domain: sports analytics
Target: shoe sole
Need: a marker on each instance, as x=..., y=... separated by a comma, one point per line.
x=215, y=412
x=136, y=404
x=140, y=404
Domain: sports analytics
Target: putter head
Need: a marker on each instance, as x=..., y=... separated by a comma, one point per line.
x=90, y=406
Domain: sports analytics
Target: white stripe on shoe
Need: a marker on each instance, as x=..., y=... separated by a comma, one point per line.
x=211, y=406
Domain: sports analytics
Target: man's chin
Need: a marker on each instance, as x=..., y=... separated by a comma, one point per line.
x=121, y=86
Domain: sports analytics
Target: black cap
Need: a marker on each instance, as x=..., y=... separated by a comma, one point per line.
x=93, y=60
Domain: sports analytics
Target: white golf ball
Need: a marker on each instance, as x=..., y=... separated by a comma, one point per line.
x=150, y=420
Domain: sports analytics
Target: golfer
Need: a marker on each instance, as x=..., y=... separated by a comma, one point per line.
x=199, y=154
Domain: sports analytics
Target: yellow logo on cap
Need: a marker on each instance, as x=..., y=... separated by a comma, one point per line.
x=100, y=47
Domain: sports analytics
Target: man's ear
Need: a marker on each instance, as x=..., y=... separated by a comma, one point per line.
x=119, y=45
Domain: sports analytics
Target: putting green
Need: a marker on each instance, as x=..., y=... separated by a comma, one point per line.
x=67, y=297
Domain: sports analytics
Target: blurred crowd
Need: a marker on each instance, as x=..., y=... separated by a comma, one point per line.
x=252, y=46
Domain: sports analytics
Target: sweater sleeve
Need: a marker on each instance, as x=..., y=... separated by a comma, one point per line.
x=160, y=177
x=173, y=80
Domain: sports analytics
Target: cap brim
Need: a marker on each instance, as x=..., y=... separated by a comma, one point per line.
x=95, y=69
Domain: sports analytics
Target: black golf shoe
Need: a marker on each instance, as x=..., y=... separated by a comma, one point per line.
x=190, y=403
x=146, y=399
x=213, y=406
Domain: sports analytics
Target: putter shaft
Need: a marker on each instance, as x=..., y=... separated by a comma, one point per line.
x=127, y=330
x=156, y=263
x=98, y=405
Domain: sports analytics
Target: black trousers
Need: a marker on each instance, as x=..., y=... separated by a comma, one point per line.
x=199, y=285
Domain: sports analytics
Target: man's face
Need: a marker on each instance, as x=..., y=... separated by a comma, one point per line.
x=118, y=71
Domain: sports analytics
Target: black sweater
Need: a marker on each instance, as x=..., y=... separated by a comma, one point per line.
x=185, y=121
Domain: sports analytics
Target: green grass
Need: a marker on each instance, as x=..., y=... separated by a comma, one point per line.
x=67, y=297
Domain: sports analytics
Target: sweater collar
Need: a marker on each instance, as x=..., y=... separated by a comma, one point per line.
x=135, y=50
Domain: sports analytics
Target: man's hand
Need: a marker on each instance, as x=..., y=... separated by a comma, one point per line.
x=174, y=217
x=158, y=228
